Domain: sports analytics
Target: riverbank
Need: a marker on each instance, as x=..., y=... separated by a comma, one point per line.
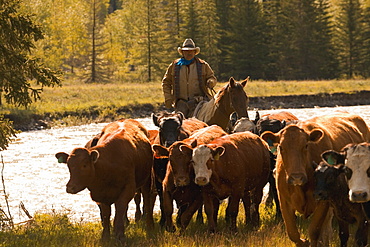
x=144, y=110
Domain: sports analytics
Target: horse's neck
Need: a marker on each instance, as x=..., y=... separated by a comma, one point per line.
x=222, y=112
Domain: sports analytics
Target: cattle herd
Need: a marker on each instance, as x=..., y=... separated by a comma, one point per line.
x=319, y=168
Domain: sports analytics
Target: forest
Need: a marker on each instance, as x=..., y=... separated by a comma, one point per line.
x=135, y=40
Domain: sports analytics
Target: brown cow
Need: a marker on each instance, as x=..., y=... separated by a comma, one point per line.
x=237, y=167
x=178, y=184
x=112, y=171
x=299, y=145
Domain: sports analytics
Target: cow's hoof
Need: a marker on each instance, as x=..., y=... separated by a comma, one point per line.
x=170, y=228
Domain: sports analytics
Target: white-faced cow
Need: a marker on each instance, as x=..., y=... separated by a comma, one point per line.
x=331, y=186
x=172, y=127
x=236, y=167
x=179, y=183
x=112, y=171
x=298, y=146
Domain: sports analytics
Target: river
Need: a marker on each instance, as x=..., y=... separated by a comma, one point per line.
x=33, y=176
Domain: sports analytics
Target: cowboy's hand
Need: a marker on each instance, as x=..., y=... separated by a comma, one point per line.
x=210, y=83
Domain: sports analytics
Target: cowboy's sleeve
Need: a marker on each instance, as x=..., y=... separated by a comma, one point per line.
x=211, y=79
x=167, y=86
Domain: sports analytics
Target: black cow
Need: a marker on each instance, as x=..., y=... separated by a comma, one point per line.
x=330, y=185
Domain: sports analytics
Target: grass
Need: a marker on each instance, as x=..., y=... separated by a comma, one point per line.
x=57, y=230
x=76, y=102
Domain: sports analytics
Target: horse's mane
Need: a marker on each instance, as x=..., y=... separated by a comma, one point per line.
x=220, y=94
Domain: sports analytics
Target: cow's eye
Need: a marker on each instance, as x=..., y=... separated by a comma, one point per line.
x=348, y=172
x=368, y=172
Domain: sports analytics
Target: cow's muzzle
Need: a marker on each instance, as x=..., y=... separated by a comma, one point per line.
x=201, y=181
x=359, y=196
x=297, y=179
x=182, y=181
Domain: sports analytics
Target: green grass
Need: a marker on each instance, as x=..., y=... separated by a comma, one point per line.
x=58, y=230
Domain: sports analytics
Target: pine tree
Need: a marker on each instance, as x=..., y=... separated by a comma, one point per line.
x=247, y=51
x=349, y=38
x=18, y=67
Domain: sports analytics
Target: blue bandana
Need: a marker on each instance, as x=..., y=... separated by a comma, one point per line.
x=183, y=61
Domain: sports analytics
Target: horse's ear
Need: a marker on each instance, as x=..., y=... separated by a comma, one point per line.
x=232, y=81
x=244, y=82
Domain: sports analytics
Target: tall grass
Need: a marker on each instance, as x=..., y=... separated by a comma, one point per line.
x=57, y=230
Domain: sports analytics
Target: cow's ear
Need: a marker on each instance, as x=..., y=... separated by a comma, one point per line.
x=186, y=149
x=160, y=151
x=181, y=116
x=94, y=155
x=194, y=144
x=333, y=157
x=155, y=119
x=62, y=157
x=257, y=117
x=282, y=124
x=216, y=153
x=316, y=135
x=272, y=140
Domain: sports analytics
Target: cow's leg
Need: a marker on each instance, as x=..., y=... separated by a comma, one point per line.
x=256, y=196
x=289, y=217
x=209, y=209
x=362, y=231
x=105, y=212
x=137, y=200
x=189, y=212
x=199, y=218
x=160, y=195
x=343, y=232
x=148, y=204
x=168, y=210
x=233, y=210
x=319, y=230
x=121, y=205
x=247, y=207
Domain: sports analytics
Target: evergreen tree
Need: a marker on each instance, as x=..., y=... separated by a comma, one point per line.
x=247, y=51
x=365, y=49
x=17, y=65
x=349, y=38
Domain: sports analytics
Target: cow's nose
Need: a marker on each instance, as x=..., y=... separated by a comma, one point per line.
x=201, y=181
x=297, y=179
x=359, y=196
x=182, y=181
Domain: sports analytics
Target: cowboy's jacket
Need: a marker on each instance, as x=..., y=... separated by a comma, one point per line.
x=184, y=82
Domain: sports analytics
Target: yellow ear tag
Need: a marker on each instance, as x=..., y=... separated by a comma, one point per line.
x=217, y=156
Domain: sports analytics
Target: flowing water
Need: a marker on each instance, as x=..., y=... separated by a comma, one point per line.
x=33, y=176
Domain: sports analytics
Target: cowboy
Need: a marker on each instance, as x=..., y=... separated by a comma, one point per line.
x=187, y=80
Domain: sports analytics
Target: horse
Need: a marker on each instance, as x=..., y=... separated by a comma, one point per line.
x=230, y=98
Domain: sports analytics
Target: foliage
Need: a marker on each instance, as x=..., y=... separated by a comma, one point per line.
x=17, y=66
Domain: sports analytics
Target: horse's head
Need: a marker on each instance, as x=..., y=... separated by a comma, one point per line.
x=238, y=97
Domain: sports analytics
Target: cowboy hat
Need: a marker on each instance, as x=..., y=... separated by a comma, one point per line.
x=188, y=45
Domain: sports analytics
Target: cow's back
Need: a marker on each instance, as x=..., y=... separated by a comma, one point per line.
x=282, y=115
x=125, y=150
x=246, y=156
x=340, y=129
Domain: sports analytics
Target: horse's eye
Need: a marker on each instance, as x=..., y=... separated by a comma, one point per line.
x=348, y=172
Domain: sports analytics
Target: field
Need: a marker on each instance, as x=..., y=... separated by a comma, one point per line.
x=76, y=102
